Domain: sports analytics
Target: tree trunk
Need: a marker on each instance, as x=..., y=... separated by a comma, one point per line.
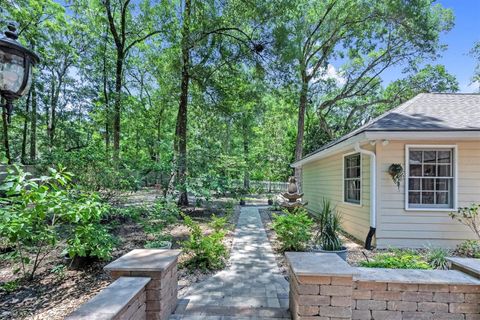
x=246, y=173
x=118, y=104
x=33, y=125
x=53, y=111
x=301, y=128
x=182, y=110
x=6, y=143
x=25, y=129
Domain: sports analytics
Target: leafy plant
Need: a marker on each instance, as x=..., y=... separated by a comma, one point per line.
x=293, y=229
x=160, y=242
x=397, y=259
x=206, y=251
x=437, y=258
x=30, y=212
x=328, y=225
x=10, y=286
x=469, y=216
x=396, y=172
x=88, y=237
x=59, y=270
x=469, y=248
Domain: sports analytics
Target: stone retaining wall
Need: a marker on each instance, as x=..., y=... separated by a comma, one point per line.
x=323, y=286
x=145, y=287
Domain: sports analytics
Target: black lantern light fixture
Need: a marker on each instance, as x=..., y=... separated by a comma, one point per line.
x=16, y=63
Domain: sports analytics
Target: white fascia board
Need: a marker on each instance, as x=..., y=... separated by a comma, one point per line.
x=422, y=135
x=339, y=147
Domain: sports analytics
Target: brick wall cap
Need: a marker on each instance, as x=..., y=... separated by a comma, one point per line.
x=144, y=260
x=111, y=300
x=318, y=264
x=415, y=276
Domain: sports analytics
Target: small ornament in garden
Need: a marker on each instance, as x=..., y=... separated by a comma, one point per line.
x=396, y=172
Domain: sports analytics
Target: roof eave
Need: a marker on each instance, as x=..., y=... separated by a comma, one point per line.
x=423, y=135
x=339, y=147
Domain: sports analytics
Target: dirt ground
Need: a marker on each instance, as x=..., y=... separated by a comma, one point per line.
x=53, y=295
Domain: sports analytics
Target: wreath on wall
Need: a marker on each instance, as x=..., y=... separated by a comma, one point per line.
x=396, y=172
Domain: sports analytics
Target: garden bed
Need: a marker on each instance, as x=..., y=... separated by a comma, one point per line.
x=357, y=256
x=56, y=291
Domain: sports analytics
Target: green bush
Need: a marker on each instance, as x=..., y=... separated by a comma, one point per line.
x=206, y=251
x=87, y=236
x=30, y=212
x=470, y=217
x=328, y=224
x=469, y=248
x=437, y=258
x=37, y=213
x=293, y=229
x=397, y=259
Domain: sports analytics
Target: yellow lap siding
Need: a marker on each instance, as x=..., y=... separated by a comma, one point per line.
x=324, y=179
x=399, y=227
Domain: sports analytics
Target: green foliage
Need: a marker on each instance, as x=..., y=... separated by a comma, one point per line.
x=328, y=227
x=207, y=251
x=437, y=258
x=158, y=244
x=37, y=213
x=469, y=248
x=9, y=286
x=469, y=216
x=293, y=229
x=30, y=213
x=397, y=259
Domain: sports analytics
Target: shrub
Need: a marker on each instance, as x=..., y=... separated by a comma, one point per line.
x=87, y=237
x=37, y=213
x=293, y=229
x=397, y=259
x=328, y=221
x=30, y=212
x=469, y=216
x=469, y=248
x=206, y=251
x=437, y=258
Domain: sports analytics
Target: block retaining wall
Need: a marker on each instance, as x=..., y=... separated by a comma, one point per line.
x=145, y=287
x=380, y=294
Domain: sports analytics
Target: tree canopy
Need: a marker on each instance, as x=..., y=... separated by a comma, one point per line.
x=197, y=94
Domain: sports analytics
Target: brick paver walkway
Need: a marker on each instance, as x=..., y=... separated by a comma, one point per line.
x=251, y=288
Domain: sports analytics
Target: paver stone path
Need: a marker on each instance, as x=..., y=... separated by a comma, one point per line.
x=251, y=288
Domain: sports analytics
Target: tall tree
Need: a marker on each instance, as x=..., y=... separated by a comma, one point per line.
x=369, y=37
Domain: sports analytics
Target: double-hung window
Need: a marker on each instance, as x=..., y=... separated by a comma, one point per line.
x=352, y=180
x=430, y=177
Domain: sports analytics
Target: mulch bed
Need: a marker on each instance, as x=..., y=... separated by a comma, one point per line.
x=54, y=295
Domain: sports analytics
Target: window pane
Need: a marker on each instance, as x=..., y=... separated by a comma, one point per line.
x=415, y=157
x=428, y=198
x=428, y=184
x=414, y=197
x=416, y=170
x=429, y=170
x=444, y=170
x=414, y=184
x=429, y=156
x=444, y=156
x=442, y=197
x=443, y=184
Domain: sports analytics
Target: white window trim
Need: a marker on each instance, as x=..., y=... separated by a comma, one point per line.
x=361, y=179
x=454, y=170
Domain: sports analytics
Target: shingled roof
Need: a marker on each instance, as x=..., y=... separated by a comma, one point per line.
x=437, y=112
x=432, y=111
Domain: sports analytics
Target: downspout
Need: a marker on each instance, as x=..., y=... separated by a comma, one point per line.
x=373, y=194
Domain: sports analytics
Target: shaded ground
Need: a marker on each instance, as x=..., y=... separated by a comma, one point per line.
x=53, y=295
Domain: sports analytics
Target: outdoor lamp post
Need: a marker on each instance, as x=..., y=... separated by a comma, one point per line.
x=16, y=64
